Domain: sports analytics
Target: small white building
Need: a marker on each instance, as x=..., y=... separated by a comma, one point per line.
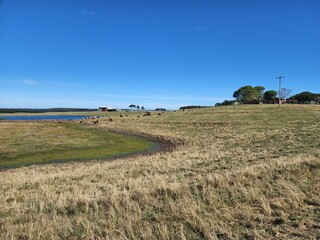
x=107, y=109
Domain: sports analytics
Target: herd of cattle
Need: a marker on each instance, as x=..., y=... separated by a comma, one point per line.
x=95, y=119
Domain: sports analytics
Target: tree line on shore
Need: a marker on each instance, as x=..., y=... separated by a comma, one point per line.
x=254, y=95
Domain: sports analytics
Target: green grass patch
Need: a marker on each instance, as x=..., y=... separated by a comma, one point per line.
x=24, y=144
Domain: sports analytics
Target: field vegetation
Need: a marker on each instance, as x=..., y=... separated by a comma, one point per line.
x=238, y=172
x=25, y=143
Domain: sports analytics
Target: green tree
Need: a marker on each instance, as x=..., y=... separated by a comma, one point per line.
x=260, y=92
x=132, y=106
x=244, y=93
x=269, y=95
x=303, y=97
x=249, y=93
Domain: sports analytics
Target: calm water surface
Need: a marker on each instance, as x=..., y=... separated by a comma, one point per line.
x=53, y=117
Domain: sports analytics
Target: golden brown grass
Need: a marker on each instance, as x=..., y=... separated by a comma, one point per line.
x=242, y=172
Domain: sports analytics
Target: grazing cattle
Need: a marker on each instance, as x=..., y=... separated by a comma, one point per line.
x=147, y=114
x=127, y=115
x=159, y=114
x=96, y=122
x=121, y=115
x=81, y=121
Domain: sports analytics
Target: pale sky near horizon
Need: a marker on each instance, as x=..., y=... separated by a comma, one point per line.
x=77, y=53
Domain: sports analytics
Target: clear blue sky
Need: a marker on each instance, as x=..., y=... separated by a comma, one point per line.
x=154, y=53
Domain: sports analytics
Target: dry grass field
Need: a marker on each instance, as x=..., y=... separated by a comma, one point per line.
x=238, y=172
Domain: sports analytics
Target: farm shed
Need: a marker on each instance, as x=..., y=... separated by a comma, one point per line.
x=107, y=109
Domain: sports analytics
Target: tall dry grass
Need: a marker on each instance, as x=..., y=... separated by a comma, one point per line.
x=244, y=172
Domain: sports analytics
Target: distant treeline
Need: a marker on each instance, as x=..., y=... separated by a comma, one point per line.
x=44, y=110
x=256, y=95
x=192, y=107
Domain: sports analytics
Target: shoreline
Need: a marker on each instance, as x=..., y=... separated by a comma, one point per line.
x=159, y=145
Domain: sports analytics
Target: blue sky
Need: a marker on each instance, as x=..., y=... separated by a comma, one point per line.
x=153, y=53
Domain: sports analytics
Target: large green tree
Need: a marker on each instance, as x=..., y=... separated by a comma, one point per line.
x=249, y=93
x=306, y=96
x=269, y=95
x=259, y=92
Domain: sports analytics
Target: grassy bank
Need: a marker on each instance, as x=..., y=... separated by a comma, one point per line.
x=26, y=143
x=239, y=172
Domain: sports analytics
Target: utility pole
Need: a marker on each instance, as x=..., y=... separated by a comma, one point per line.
x=280, y=77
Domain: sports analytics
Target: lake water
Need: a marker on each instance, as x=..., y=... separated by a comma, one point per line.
x=52, y=117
